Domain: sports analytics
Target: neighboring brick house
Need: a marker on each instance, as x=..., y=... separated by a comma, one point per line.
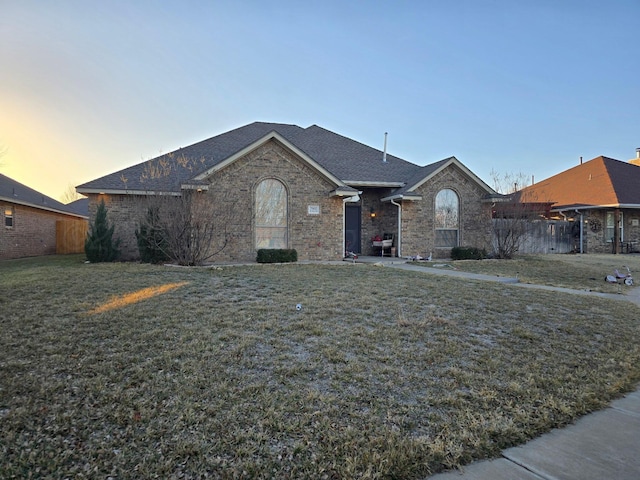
x=602, y=196
x=308, y=189
x=34, y=224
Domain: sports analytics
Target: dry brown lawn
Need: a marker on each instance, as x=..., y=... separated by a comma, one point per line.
x=138, y=371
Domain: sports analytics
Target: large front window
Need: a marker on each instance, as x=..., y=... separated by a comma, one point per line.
x=271, y=214
x=446, y=218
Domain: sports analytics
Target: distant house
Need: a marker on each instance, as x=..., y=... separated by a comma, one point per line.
x=34, y=224
x=309, y=189
x=603, y=196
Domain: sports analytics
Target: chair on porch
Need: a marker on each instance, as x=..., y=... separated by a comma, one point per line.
x=385, y=245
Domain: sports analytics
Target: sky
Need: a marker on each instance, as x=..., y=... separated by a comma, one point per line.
x=509, y=88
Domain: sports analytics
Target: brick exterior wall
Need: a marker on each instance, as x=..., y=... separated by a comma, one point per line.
x=124, y=212
x=385, y=221
x=418, y=227
x=33, y=232
x=315, y=237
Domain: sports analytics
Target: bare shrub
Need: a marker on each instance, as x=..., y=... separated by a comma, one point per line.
x=513, y=213
x=186, y=224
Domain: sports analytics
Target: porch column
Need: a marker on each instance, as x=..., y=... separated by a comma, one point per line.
x=616, y=231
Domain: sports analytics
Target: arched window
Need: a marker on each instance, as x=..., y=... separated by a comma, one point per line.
x=271, y=214
x=447, y=218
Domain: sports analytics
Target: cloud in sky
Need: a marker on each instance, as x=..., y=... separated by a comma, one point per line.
x=87, y=88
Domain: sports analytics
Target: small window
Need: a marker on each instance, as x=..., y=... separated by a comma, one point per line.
x=8, y=217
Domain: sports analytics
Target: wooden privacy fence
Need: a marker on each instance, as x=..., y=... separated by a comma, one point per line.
x=70, y=236
x=544, y=236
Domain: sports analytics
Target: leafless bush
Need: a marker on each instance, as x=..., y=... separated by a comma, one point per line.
x=183, y=222
x=513, y=213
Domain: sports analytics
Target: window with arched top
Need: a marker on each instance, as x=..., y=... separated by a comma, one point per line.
x=447, y=216
x=271, y=214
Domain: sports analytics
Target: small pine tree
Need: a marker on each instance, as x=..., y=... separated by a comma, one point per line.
x=152, y=242
x=100, y=245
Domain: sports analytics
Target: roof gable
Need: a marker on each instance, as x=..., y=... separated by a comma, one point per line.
x=427, y=172
x=601, y=181
x=273, y=135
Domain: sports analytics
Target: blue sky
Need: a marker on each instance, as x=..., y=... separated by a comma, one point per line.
x=88, y=87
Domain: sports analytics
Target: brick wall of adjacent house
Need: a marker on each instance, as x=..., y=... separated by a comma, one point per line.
x=232, y=189
x=33, y=232
x=418, y=227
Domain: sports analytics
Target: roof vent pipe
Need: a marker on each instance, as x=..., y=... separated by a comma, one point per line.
x=384, y=153
x=638, y=153
x=580, y=160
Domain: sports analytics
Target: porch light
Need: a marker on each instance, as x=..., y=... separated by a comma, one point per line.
x=372, y=214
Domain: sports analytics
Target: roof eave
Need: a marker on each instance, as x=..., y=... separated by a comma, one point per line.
x=344, y=191
x=42, y=207
x=402, y=197
x=632, y=206
x=195, y=186
x=115, y=191
x=372, y=184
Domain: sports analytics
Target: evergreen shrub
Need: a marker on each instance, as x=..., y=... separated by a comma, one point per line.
x=152, y=241
x=100, y=246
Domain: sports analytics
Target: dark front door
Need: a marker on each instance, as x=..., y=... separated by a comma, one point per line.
x=352, y=229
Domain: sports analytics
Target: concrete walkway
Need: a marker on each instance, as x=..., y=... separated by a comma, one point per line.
x=631, y=294
x=601, y=445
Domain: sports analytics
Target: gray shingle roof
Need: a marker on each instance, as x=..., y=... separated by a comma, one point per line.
x=80, y=206
x=15, y=192
x=343, y=157
x=350, y=160
x=419, y=175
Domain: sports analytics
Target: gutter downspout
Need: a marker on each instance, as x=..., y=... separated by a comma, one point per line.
x=344, y=226
x=399, y=237
x=581, y=230
x=563, y=215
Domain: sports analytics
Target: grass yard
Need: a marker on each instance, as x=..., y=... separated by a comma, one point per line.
x=582, y=272
x=137, y=371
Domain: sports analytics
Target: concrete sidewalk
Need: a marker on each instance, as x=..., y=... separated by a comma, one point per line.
x=601, y=445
